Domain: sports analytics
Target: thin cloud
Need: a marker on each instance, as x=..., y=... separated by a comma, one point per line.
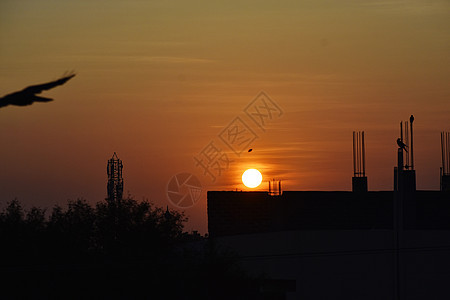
x=417, y=7
x=172, y=59
x=144, y=59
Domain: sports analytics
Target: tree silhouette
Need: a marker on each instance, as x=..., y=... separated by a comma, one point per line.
x=121, y=250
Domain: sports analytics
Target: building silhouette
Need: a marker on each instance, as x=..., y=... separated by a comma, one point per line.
x=343, y=245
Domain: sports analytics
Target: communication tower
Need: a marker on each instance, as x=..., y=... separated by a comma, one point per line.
x=115, y=180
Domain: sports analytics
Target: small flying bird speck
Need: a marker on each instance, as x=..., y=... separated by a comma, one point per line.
x=27, y=96
x=250, y=150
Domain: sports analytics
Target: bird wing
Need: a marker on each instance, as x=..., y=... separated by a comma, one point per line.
x=36, y=89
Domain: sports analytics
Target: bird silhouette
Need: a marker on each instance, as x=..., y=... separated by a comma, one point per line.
x=250, y=150
x=401, y=144
x=27, y=96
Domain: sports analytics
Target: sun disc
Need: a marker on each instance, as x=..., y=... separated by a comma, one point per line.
x=251, y=178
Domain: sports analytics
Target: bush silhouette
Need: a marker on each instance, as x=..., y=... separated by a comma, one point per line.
x=112, y=250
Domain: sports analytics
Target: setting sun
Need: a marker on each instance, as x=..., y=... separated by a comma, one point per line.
x=252, y=178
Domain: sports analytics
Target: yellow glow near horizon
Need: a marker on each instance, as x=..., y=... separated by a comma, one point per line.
x=251, y=178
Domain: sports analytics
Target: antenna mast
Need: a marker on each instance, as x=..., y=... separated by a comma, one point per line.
x=359, y=180
x=115, y=180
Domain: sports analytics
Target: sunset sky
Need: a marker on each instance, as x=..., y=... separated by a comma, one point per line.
x=157, y=81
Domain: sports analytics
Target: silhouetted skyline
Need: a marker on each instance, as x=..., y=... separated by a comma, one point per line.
x=158, y=81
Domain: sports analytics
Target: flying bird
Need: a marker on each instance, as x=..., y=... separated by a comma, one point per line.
x=401, y=144
x=28, y=95
x=250, y=150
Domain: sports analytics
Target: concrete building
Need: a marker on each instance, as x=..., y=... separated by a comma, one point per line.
x=342, y=245
x=337, y=245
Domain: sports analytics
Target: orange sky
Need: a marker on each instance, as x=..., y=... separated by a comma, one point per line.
x=156, y=82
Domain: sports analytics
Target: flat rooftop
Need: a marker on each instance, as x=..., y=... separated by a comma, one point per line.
x=232, y=213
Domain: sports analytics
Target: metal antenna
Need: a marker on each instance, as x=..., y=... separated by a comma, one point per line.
x=354, y=154
x=442, y=152
x=448, y=153
x=275, y=187
x=359, y=154
x=445, y=149
x=279, y=187
x=411, y=120
x=401, y=131
x=359, y=180
x=363, y=155
x=407, y=143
